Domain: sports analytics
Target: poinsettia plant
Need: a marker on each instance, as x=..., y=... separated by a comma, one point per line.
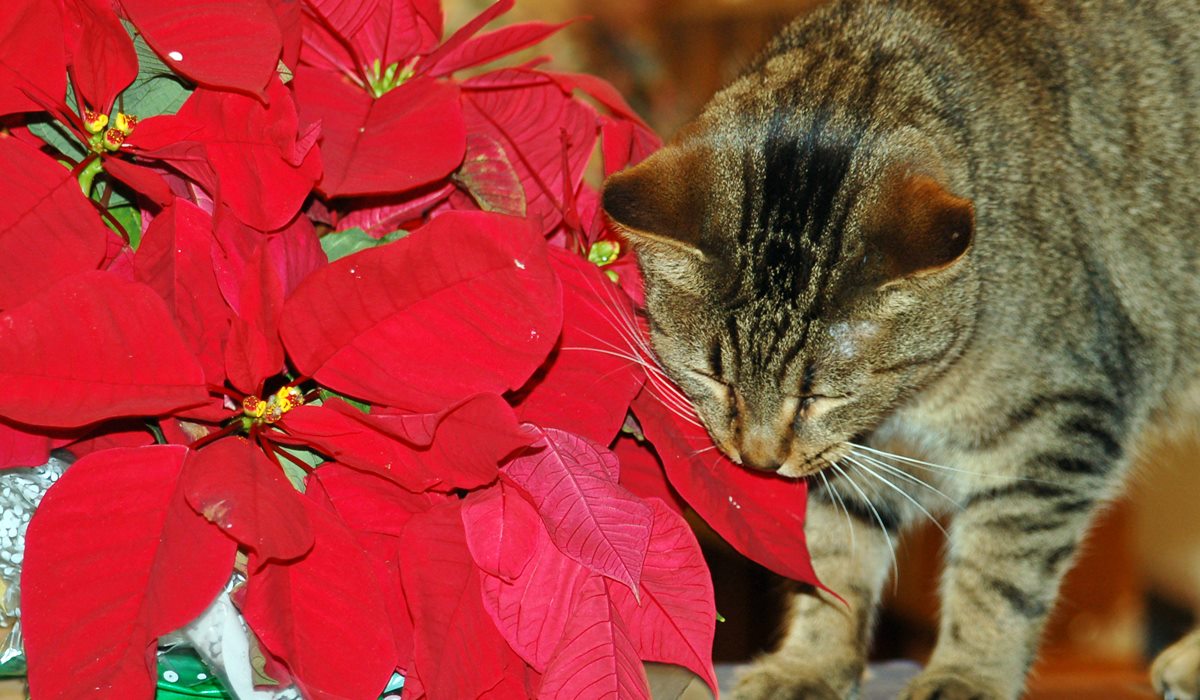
x=312, y=309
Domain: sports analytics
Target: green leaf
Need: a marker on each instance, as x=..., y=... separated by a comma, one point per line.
x=339, y=244
x=58, y=137
x=155, y=90
x=293, y=472
x=327, y=394
x=130, y=218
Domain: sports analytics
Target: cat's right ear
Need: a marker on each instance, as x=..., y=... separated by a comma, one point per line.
x=656, y=203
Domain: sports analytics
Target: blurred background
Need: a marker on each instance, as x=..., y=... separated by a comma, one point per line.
x=1139, y=580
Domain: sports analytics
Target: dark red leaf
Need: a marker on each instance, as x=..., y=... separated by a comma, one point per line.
x=117, y=521
x=466, y=305
x=676, y=618
x=761, y=515
x=321, y=615
x=141, y=179
x=642, y=473
x=458, y=653
x=409, y=137
x=116, y=354
x=502, y=530
x=99, y=52
x=594, y=373
x=381, y=216
x=486, y=48
x=592, y=519
x=530, y=115
x=32, y=56
x=130, y=432
x=366, y=503
x=175, y=259
x=48, y=230
x=219, y=44
x=234, y=485
x=596, y=657
x=533, y=608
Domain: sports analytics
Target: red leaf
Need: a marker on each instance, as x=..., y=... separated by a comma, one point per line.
x=493, y=45
x=254, y=352
x=358, y=444
x=100, y=53
x=20, y=448
x=458, y=653
x=471, y=440
x=676, y=618
x=761, y=515
x=596, y=658
x=533, y=608
x=48, y=230
x=321, y=614
x=246, y=155
x=642, y=473
x=589, y=381
x=383, y=215
x=219, y=44
x=501, y=529
x=175, y=259
x=411, y=136
x=116, y=354
x=32, y=56
x=466, y=305
x=117, y=521
x=367, y=503
x=234, y=485
x=589, y=517
x=141, y=179
x=530, y=116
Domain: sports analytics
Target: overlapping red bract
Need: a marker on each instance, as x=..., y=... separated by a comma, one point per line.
x=477, y=513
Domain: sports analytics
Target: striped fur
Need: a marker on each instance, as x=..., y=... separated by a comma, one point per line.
x=1032, y=364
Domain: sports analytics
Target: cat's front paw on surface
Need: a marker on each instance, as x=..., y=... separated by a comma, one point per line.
x=1176, y=671
x=771, y=682
x=935, y=684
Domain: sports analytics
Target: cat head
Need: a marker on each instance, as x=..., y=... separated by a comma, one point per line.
x=803, y=278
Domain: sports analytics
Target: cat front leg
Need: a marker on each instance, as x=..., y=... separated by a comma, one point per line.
x=823, y=650
x=1010, y=546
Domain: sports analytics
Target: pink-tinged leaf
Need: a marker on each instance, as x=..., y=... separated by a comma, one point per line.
x=175, y=260
x=100, y=53
x=48, y=230
x=596, y=658
x=594, y=373
x=589, y=517
x=32, y=56
x=532, y=117
x=411, y=136
x=21, y=448
x=219, y=44
x=457, y=651
x=603, y=92
x=642, y=473
x=358, y=445
x=532, y=610
x=397, y=31
x=344, y=17
x=246, y=155
x=466, y=305
x=761, y=515
x=380, y=216
x=116, y=354
x=502, y=531
x=117, y=521
x=367, y=503
x=234, y=485
x=321, y=614
x=464, y=33
x=493, y=45
x=676, y=618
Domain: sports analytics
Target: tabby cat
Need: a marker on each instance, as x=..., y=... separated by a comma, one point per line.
x=964, y=232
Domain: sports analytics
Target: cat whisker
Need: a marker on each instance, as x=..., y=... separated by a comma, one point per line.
x=834, y=494
x=931, y=466
x=878, y=518
x=702, y=450
x=892, y=469
x=898, y=490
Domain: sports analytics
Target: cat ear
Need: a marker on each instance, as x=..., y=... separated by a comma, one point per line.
x=922, y=228
x=655, y=203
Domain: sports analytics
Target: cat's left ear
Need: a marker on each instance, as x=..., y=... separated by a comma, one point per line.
x=921, y=228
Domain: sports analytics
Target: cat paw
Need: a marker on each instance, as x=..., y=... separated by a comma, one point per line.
x=770, y=682
x=1176, y=671
x=944, y=684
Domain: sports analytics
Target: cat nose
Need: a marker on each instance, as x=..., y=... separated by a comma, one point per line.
x=762, y=448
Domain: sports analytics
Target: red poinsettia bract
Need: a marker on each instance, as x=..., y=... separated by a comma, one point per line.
x=328, y=325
